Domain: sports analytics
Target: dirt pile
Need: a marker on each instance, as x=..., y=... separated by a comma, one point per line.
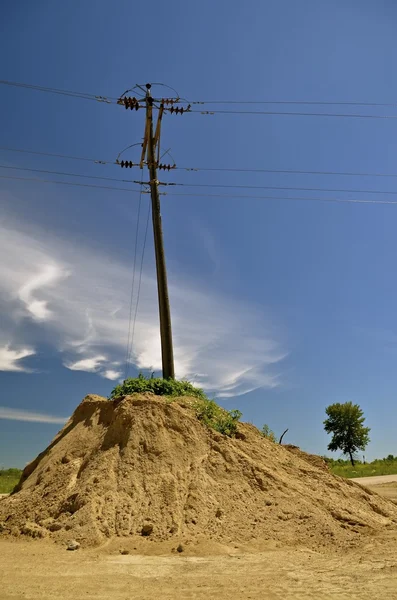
x=143, y=468
x=313, y=459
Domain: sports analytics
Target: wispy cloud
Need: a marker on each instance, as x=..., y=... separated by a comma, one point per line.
x=95, y=364
x=47, y=275
x=82, y=298
x=209, y=244
x=92, y=364
x=26, y=415
x=10, y=360
x=111, y=374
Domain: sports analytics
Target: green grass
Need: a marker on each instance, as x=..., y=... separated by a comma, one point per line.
x=382, y=466
x=216, y=417
x=8, y=479
x=207, y=411
x=158, y=386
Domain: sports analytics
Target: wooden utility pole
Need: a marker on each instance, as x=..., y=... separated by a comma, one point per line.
x=167, y=352
x=151, y=157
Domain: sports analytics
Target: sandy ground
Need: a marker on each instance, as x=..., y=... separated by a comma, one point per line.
x=388, y=490
x=385, y=485
x=376, y=480
x=41, y=570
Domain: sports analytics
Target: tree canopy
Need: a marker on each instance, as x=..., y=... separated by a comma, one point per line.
x=346, y=424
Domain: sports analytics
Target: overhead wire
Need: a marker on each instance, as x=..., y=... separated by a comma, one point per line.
x=128, y=351
x=286, y=171
x=112, y=100
x=294, y=198
x=208, y=185
x=278, y=187
x=65, y=173
x=291, y=102
x=140, y=277
x=212, y=169
x=68, y=156
x=291, y=113
x=91, y=96
x=207, y=195
x=71, y=183
x=52, y=90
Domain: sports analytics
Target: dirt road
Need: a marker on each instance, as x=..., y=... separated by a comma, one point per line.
x=385, y=485
x=39, y=570
x=377, y=480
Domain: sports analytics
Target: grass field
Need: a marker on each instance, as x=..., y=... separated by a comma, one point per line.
x=8, y=479
x=382, y=466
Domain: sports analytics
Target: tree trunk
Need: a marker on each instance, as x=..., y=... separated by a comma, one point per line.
x=281, y=438
x=351, y=458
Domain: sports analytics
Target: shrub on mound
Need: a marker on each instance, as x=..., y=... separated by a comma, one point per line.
x=216, y=417
x=207, y=411
x=157, y=386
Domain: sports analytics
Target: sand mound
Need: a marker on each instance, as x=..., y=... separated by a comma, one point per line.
x=144, y=468
x=313, y=459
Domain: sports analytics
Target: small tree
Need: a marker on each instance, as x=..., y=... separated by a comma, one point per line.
x=268, y=433
x=346, y=423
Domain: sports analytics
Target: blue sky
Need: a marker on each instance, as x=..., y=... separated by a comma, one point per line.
x=279, y=307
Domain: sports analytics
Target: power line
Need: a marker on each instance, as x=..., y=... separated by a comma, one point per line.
x=291, y=102
x=132, y=286
x=286, y=171
x=209, y=185
x=140, y=278
x=61, y=92
x=290, y=113
x=86, y=185
x=293, y=198
x=70, y=174
x=94, y=160
x=277, y=187
x=213, y=169
x=110, y=99
x=244, y=197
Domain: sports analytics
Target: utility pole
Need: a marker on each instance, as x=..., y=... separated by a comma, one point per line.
x=151, y=157
x=167, y=352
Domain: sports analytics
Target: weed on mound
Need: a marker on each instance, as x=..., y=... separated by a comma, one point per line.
x=157, y=386
x=208, y=411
